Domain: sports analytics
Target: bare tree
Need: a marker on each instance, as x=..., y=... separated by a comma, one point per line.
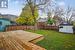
x=68, y=14
x=54, y=12
x=49, y=8
x=58, y=15
x=72, y=16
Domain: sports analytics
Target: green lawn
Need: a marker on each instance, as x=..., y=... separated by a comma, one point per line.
x=56, y=41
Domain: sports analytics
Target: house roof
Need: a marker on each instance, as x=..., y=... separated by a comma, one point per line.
x=66, y=24
x=8, y=16
x=42, y=19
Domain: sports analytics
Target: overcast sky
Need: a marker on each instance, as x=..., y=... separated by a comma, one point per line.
x=15, y=6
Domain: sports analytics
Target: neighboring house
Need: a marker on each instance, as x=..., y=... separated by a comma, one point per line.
x=5, y=20
x=8, y=16
x=42, y=22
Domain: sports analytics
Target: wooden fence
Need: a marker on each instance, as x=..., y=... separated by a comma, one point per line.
x=18, y=27
x=51, y=27
x=48, y=27
x=43, y=25
x=24, y=27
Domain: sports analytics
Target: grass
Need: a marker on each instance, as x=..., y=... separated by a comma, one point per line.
x=56, y=41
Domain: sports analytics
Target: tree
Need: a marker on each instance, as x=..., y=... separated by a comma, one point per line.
x=35, y=3
x=20, y=20
x=66, y=14
x=69, y=14
x=26, y=17
x=54, y=12
x=49, y=8
x=50, y=21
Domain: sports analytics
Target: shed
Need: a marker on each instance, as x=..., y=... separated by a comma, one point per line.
x=66, y=28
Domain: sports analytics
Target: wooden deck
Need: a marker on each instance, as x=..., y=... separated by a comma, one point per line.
x=19, y=40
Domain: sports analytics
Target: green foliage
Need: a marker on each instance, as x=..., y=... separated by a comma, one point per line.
x=26, y=17
x=50, y=21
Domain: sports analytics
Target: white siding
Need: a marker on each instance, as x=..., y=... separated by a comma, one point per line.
x=66, y=29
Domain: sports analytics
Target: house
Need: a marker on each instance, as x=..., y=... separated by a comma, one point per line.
x=8, y=16
x=41, y=22
x=5, y=20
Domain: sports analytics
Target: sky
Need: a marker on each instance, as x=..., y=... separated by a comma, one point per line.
x=15, y=6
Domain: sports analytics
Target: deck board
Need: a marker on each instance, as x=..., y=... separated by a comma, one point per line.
x=18, y=40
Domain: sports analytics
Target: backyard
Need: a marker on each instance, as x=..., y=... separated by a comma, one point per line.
x=56, y=41
x=43, y=17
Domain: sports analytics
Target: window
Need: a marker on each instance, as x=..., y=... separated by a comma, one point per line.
x=3, y=3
